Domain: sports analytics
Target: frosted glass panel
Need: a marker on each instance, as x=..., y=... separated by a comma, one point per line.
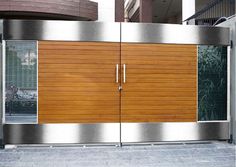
x=212, y=83
x=21, y=82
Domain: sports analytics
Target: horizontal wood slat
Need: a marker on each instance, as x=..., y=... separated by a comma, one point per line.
x=76, y=66
x=77, y=82
x=166, y=62
x=158, y=112
x=158, y=118
x=78, y=118
x=161, y=83
x=90, y=112
x=76, y=61
x=75, y=56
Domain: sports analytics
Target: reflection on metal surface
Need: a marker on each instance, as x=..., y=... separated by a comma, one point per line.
x=61, y=133
x=124, y=73
x=61, y=30
x=110, y=32
x=109, y=133
x=157, y=132
x=174, y=34
x=117, y=73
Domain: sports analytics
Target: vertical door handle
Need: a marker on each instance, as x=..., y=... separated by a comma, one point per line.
x=117, y=73
x=124, y=73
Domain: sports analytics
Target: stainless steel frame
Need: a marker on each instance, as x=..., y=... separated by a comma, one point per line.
x=113, y=132
x=61, y=30
x=159, y=132
x=61, y=133
x=174, y=34
x=1, y=77
x=3, y=80
x=111, y=32
x=231, y=23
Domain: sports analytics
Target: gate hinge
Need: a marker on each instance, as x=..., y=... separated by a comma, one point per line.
x=231, y=44
x=230, y=139
x=0, y=38
x=1, y=144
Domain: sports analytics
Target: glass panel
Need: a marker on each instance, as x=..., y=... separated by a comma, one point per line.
x=21, y=82
x=212, y=83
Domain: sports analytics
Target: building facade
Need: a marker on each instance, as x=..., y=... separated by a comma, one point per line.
x=53, y=9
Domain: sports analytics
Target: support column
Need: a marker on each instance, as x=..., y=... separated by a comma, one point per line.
x=188, y=9
x=145, y=11
x=119, y=10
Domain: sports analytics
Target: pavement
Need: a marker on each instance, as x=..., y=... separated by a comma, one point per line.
x=211, y=154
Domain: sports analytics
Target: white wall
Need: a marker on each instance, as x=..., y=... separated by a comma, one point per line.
x=188, y=9
x=106, y=10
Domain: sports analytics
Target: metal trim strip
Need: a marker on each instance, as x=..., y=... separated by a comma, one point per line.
x=1, y=81
x=174, y=34
x=61, y=133
x=110, y=133
x=167, y=132
x=61, y=30
x=110, y=32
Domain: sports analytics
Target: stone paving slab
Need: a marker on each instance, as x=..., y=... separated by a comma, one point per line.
x=215, y=154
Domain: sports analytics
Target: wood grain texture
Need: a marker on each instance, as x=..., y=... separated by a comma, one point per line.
x=77, y=82
x=160, y=83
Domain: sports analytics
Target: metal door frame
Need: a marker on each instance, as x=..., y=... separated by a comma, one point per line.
x=1, y=86
x=114, y=132
x=175, y=131
x=74, y=133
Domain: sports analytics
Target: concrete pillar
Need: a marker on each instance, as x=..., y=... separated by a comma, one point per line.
x=188, y=9
x=145, y=11
x=119, y=10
